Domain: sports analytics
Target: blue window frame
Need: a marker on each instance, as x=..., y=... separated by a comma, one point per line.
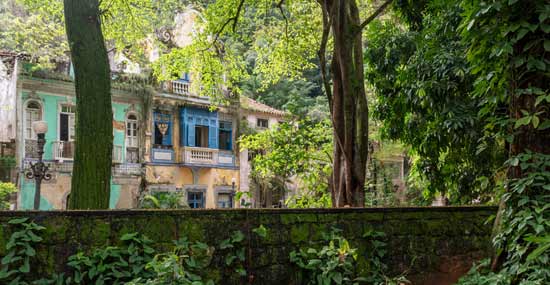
x=195, y=200
x=225, y=136
x=163, y=128
x=190, y=118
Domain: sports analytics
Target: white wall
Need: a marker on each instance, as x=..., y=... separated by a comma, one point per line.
x=8, y=86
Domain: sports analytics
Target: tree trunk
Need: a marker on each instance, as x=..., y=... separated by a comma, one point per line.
x=90, y=185
x=348, y=104
x=526, y=138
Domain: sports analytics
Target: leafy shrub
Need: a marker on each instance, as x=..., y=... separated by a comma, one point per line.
x=6, y=189
x=113, y=264
x=20, y=250
x=164, y=200
x=336, y=262
x=184, y=265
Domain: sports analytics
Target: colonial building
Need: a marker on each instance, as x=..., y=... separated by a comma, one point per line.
x=191, y=148
x=41, y=98
x=166, y=139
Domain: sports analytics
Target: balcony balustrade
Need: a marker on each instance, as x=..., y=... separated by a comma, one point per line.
x=180, y=87
x=63, y=150
x=207, y=156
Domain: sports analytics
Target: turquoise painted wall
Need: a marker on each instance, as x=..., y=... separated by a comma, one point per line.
x=27, y=197
x=119, y=113
x=114, y=196
x=50, y=105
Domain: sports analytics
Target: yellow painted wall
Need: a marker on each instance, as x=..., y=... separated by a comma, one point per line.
x=183, y=176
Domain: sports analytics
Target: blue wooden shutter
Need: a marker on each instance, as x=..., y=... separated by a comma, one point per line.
x=190, y=131
x=213, y=133
x=183, y=133
x=230, y=143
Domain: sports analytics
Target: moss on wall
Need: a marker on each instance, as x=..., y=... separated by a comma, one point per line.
x=419, y=239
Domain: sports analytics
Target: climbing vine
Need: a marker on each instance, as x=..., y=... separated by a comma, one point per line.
x=509, y=45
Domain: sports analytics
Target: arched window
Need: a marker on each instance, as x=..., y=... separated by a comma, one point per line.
x=33, y=113
x=132, y=141
x=131, y=131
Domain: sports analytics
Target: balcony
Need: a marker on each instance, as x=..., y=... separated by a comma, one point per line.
x=207, y=156
x=179, y=87
x=63, y=150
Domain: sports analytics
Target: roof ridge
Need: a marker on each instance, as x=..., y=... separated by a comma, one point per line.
x=254, y=105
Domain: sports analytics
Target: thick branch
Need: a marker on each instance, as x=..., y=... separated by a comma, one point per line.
x=233, y=19
x=375, y=14
x=322, y=51
x=280, y=6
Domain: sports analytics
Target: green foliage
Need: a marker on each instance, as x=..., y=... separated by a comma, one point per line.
x=113, y=264
x=234, y=252
x=422, y=83
x=164, y=200
x=380, y=190
x=332, y=264
x=302, y=150
x=7, y=161
x=261, y=231
x=6, y=189
x=184, y=265
x=21, y=250
x=507, y=50
x=134, y=262
x=37, y=27
x=337, y=262
x=302, y=98
x=255, y=42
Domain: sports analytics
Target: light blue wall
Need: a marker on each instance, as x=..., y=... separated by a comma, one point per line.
x=50, y=113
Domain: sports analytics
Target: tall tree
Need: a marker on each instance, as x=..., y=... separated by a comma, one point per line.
x=421, y=79
x=284, y=45
x=508, y=47
x=94, y=129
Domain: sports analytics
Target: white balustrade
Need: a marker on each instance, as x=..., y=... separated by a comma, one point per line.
x=181, y=88
x=63, y=150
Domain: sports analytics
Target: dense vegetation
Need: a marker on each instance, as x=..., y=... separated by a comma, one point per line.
x=462, y=85
x=135, y=260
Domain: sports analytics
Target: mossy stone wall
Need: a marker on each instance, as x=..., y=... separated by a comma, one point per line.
x=422, y=241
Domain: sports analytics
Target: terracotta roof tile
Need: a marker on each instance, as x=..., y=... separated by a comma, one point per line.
x=253, y=105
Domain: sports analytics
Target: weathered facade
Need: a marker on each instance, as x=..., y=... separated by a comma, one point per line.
x=165, y=140
x=54, y=101
x=191, y=148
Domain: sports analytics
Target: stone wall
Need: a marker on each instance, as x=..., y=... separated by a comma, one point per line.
x=434, y=245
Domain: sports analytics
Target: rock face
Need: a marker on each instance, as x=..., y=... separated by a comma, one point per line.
x=434, y=245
